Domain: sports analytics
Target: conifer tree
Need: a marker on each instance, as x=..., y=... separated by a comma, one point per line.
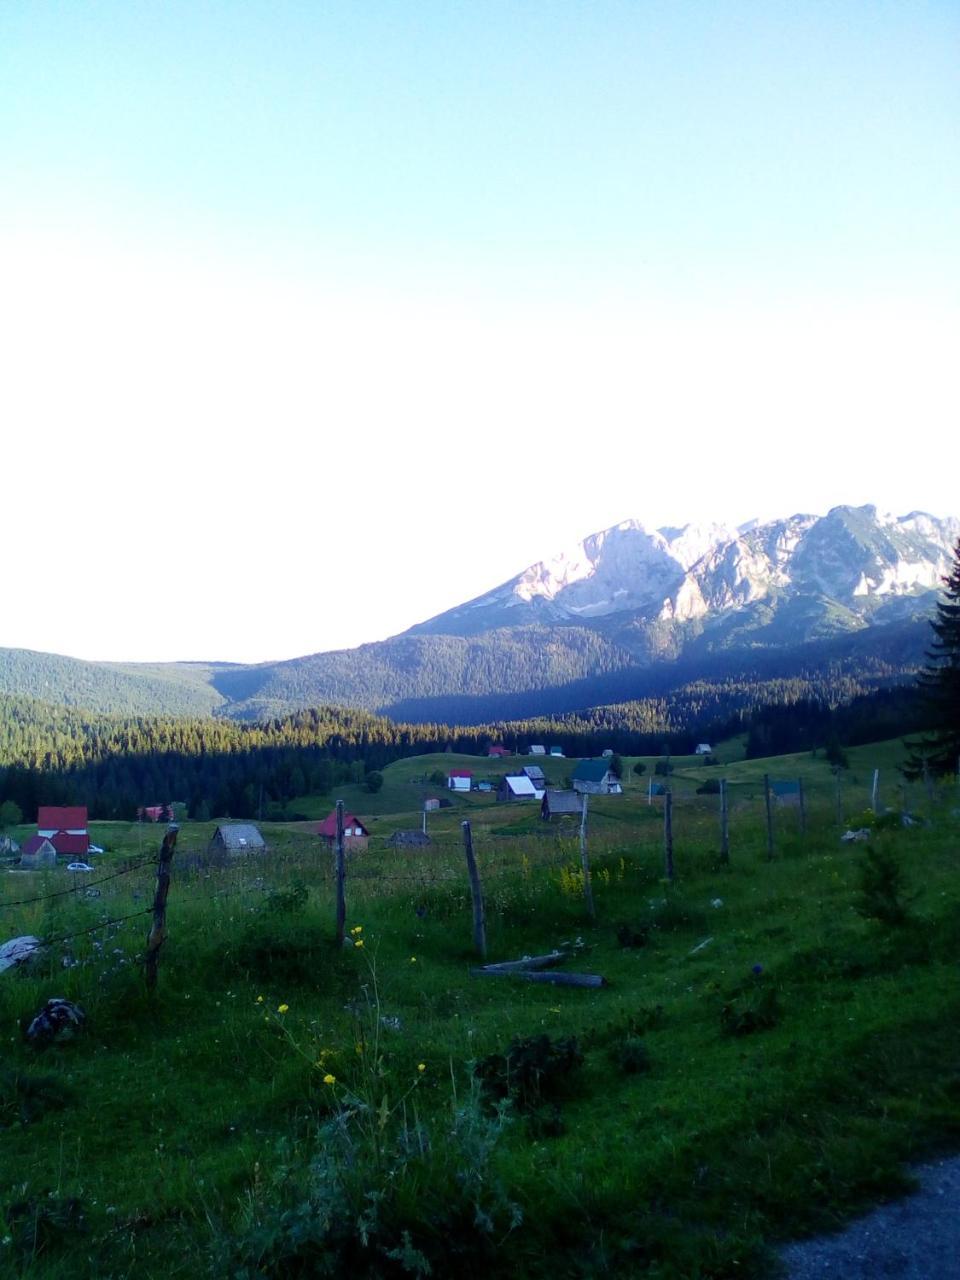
x=939, y=750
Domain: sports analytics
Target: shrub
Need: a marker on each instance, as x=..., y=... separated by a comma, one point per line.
x=533, y=1069
x=663, y=768
x=628, y=936
x=288, y=901
x=881, y=889
x=631, y=1056
x=758, y=1011
x=639, y=768
x=709, y=788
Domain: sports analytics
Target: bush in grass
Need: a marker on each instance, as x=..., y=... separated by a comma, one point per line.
x=29, y=1096
x=290, y=901
x=629, y=937
x=709, y=788
x=757, y=1010
x=882, y=889
x=534, y=1069
x=631, y=1056
x=426, y=1202
x=281, y=948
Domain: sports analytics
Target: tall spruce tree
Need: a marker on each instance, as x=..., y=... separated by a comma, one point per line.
x=939, y=750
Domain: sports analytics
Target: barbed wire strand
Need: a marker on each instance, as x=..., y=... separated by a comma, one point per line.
x=90, y=884
x=104, y=924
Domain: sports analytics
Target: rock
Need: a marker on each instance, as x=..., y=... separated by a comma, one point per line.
x=850, y=837
x=19, y=951
x=58, y=1021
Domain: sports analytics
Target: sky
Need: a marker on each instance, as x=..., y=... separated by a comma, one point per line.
x=319, y=319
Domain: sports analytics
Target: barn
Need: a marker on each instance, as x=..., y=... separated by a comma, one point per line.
x=459, y=779
x=237, y=838
x=517, y=788
x=37, y=852
x=561, y=804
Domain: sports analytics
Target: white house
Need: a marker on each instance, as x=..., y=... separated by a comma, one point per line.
x=459, y=779
x=703, y=749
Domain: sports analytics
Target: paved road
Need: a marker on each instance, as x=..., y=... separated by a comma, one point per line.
x=917, y=1238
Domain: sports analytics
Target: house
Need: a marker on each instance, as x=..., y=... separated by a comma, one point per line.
x=409, y=840
x=497, y=751
x=556, y=753
x=538, y=751
x=703, y=749
x=607, y=753
x=430, y=804
x=8, y=845
x=560, y=804
x=237, y=838
x=518, y=787
x=594, y=778
x=355, y=834
x=484, y=786
x=65, y=827
x=459, y=780
x=37, y=852
x=536, y=776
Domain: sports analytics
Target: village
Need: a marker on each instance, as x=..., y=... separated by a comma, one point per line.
x=62, y=837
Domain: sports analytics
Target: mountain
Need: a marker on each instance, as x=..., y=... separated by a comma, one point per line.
x=627, y=613
x=861, y=566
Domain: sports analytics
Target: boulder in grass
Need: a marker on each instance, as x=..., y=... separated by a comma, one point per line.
x=57, y=1022
x=19, y=951
x=856, y=837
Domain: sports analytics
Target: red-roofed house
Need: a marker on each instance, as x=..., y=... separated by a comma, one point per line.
x=497, y=751
x=65, y=826
x=155, y=813
x=355, y=834
x=459, y=779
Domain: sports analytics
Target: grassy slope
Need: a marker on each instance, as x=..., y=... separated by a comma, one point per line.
x=176, y=1109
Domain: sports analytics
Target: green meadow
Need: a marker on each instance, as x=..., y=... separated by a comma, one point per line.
x=775, y=1039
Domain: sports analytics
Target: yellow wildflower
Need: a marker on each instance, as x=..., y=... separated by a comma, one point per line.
x=329, y=1079
x=413, y=959
x=283, y=1008
x=358, y=943
x=259, y=999
x=421, y=1066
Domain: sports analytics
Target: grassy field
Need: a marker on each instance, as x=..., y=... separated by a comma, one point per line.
x=763, y=1058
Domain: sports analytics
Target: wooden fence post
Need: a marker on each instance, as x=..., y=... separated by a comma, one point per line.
x=585, y=862
x=476, y=893
x=769, y=808
x=668, y=835
x=803, y=808
x=724, y=823
x=650, y=785
x=158, y=929
x=875, y=792
x=341, y=878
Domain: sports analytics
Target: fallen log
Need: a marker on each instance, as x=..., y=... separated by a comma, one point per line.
x=533, y=975
x=528, y=962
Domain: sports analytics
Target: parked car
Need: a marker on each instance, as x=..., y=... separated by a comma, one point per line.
x=94, y=848
x=79, y=866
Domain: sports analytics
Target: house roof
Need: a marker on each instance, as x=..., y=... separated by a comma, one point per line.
x=52, y=817
x=520, y=786
x=460, y=773
x=534, y=771
x=497, y=751
x=64, y=843
x=564, y=801
x=240, y=835
x=591, y=770
x=34, y=844
x=328, y=827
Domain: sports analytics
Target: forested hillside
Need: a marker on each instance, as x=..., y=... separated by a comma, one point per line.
x=217, y=767
x=500, y=675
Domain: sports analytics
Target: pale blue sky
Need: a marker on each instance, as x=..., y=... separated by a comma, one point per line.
x=329, y=232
